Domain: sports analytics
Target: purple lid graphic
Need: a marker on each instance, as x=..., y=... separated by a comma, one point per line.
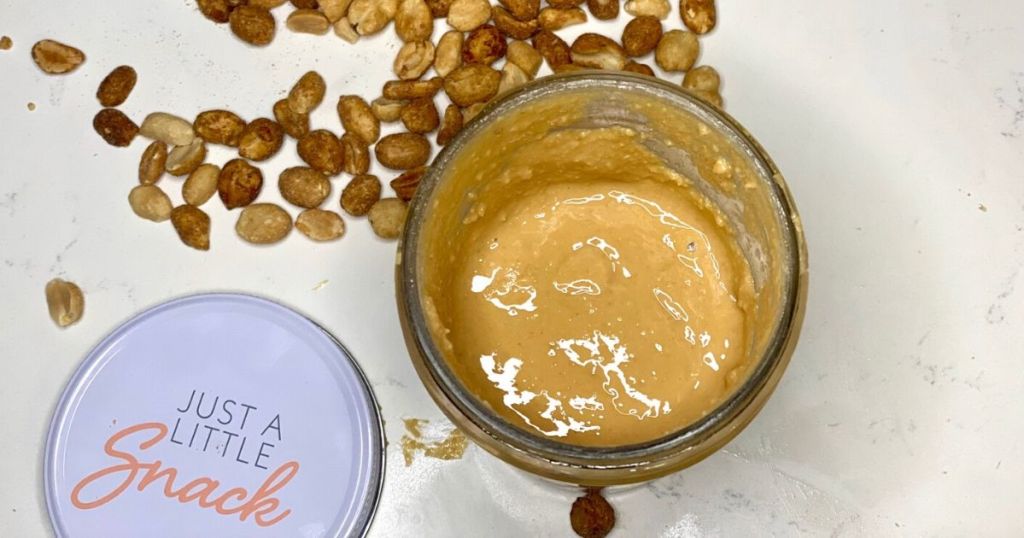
x=215, y=415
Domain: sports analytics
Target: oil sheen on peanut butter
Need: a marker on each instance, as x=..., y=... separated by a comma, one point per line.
x=591, y=296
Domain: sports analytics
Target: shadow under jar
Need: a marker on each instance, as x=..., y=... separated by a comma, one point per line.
x=602, y=278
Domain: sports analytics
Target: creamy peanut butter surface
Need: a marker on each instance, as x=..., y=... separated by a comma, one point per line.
x=592, y=297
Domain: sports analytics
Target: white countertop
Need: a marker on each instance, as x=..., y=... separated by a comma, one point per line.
x=899, y=126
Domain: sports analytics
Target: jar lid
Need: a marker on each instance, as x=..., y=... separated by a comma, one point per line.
x=215, y=415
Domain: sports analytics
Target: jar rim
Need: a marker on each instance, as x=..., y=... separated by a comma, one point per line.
x=472, y=408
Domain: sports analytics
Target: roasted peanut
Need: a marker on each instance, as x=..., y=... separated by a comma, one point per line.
x=357, y=117
x=6, y=43
x=261, y=140
x=677, y=50
x=511, y=26
x=597, y=51
x=472, y=111
x=168, y=129
x=295, y=125
x=265, y=4
x=304, y=187
x=253, y=25
x=402, y=151
x=387, y=218
x=360, y=194
x=192, y=225
x=466, y=15
x=511, y=77
x=357, y=154
x=400, y=90
x=698, y=15
x=592, y=516
x=523, y=10
x=263, y=224
x=655, y=8
x=420, y=115
x=322, y=151
x=56, y=58
x=201, y=185
x=334, y=10
x=182, y=160
x=641, y=35
x=150, y=203
x=413, y=21
x=555, y=51
x=371, y=16
x=387, y=110
x=525, y=56
x=117, y=86
x=151, y=165
x=712, y=97
x=344, y=30
x=239, y=183
x=219, y=127
x=552, y=19
x=450, y=126
x=564, y=4
x=413, y=59
x=115, y=128
x=308, y=21
x=472, y=83
x=307, y=93
x=639, y=68
x=604, y=10
x=405, y=184
x=485, y=45
x=217, y=11
x=703, y=78
x=448, y=55
x=320, y=225
x=65, y=302
x=300, y=4
x=439, y=8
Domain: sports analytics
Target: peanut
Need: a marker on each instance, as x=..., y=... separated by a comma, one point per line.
x=239, y=183
x=411, y=89
x=357, y=117
x=183, y=160
x=360, y=194
x=217, y=11
x=472, y=83
x=357, y=154
x=511, y=77
x=295, y=125
x=413, y=21
x=65, y=302
x=639, y=68
x=168, y=129
x=523, y=10
x=703, y=78
x=485, y=45
x=322, y=151
x=472, y=111
x=604, y=10
x=387, y=110
x=263, y=224
x=698, y=15
x=300, y=4
x=56, y=58
x=598, y=51
x=219, y=127
x=308, y=21
x=413, y=59
x=253, y=25
x=654, y=8
x=371, y=16
x=344, y=30
x=555, y=51
x=467, y=15
x=387, y=217
x=420, y=115
x=439, y=8
x=677, y=50
x=710, y=96
x=450, y=126
x=192, y=225
x=334, y=10
x=115, y=128
x=524, y=56
x=641, y=35
x=307, y=93
x=201, y=185
x=117, y=86
x=151, y=165
x=304, y=187
x=564, y=4
x=448, y=55
x=260, y=140
x=150, y=203
x=511, y=26
x=402, y=151
x=405, y=184
x=552, y=19
x=320, y=225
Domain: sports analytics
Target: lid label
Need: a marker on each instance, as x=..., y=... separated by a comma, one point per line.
x=207, y=423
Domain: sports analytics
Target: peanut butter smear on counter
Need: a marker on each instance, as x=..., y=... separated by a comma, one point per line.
x=593, y=296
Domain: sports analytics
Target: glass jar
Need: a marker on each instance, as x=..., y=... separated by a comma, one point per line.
x=753, y=198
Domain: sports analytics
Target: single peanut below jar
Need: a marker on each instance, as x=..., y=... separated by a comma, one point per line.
x=602, y=278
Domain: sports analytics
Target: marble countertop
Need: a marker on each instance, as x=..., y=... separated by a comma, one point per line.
x=899, y=126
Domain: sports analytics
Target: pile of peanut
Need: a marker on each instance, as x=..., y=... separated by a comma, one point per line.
x=520, y=34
